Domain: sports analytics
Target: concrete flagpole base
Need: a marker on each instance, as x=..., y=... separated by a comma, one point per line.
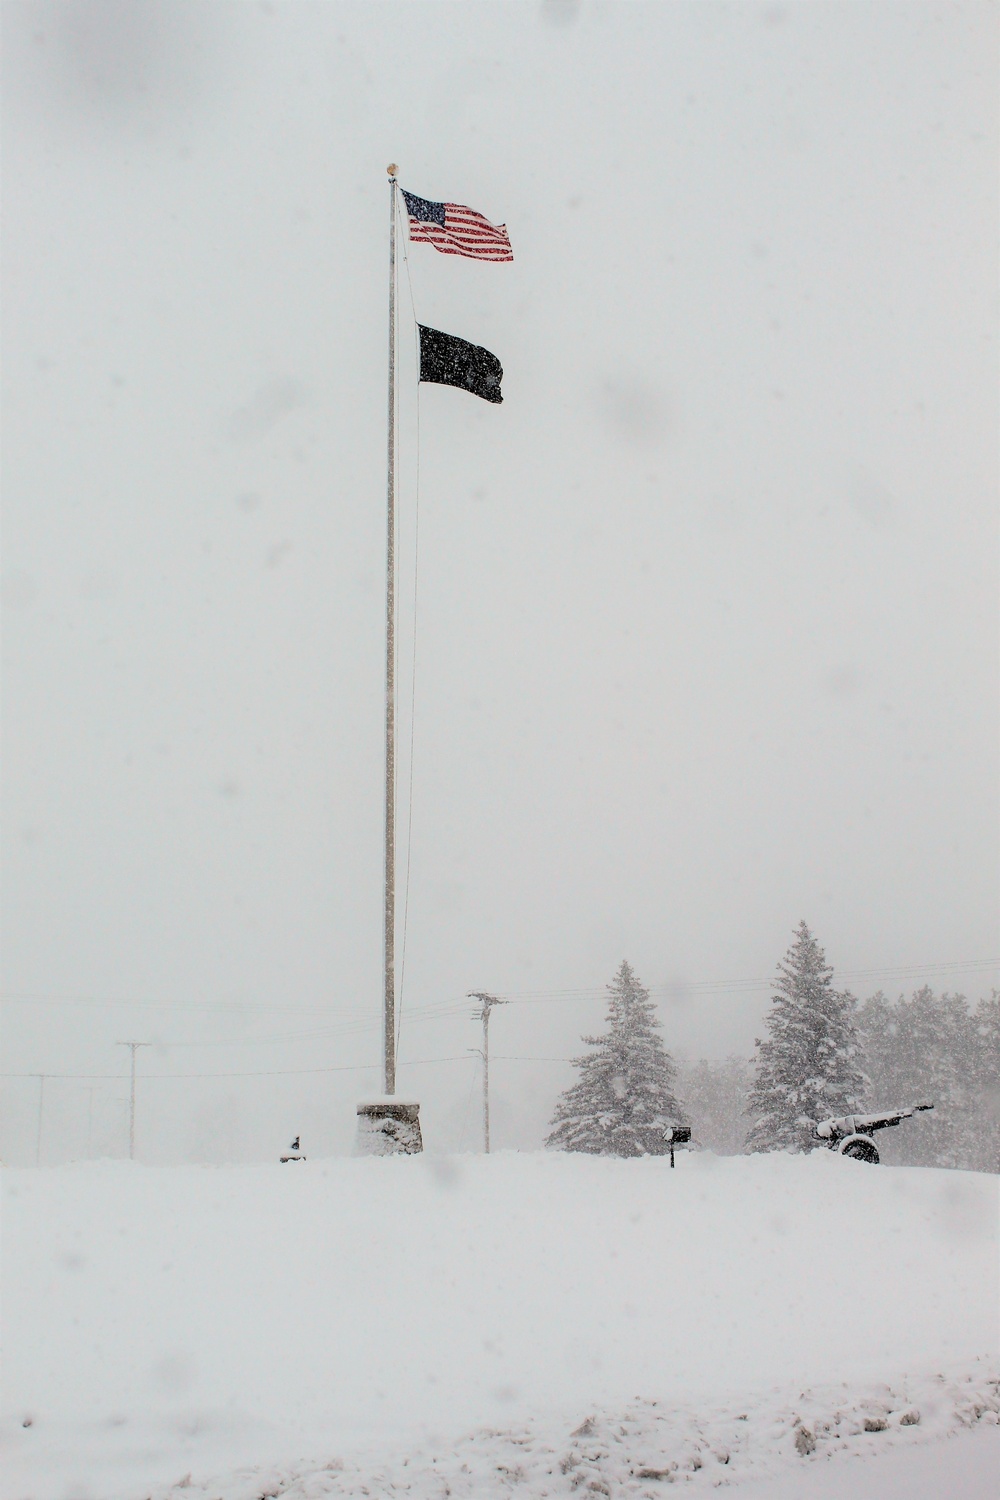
x=388, y=1127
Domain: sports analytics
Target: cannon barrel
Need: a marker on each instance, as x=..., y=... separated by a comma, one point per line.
x=883, y=1119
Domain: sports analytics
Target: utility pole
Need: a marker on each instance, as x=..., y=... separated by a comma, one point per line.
x=487, y=1003
x=131, y=1103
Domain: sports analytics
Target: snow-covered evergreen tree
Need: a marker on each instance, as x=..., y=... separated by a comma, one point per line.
x=624, y=1098
x=809, y=1067
x=931, y=1047
x=911, y=1055
x=985, y=1049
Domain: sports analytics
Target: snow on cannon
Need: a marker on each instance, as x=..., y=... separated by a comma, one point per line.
x=851, y=1135
x=676, y=1135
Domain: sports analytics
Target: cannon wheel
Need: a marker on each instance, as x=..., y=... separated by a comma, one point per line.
x=861, y=1148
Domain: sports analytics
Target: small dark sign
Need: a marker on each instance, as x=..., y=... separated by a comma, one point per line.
x=676, y=1135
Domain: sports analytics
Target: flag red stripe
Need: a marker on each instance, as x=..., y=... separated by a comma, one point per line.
x=445, y=239
x=493, y=251
x=464, y=232
x=460, y=250
x=454, y=248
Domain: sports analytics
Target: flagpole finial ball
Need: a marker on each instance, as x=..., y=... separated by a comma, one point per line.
x=391, y=169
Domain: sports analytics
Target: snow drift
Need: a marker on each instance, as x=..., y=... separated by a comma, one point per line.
x=175, y=1320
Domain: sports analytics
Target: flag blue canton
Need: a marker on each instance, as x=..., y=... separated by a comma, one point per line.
x=423, y=209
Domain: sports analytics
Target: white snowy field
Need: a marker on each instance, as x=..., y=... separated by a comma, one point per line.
x=533, y=1323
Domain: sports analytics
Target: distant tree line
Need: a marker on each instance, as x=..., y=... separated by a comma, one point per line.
x=823, y=1054
x=939, y=1048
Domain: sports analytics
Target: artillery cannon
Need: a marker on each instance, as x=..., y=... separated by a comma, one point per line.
x=851, y=1135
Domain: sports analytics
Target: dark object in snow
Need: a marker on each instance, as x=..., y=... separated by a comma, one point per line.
x=805, y=1441
x=676, y=1135
x=294, y=1153
x=388, y=1127
x=851, y=1135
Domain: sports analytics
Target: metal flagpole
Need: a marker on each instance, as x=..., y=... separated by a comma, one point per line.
x=389, y=1126
x=389, y=968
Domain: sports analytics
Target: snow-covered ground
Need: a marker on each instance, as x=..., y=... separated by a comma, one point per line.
x=527, y=1323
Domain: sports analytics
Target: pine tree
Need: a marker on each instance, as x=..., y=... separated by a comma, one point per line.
x=878, y=1025
x=931, y=1047
x=808, y=1068
x=910, y=1056
x=624, y=1098
x=985, y=1059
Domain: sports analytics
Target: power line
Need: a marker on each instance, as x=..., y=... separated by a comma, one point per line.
x=682, y=988
x=442, y=1011
x=417, y=1062
x=453, y=1005
x=255, y=1073
x=503, y=1057
x=347, y=1028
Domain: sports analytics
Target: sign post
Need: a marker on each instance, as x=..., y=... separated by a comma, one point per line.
x=676, y=1135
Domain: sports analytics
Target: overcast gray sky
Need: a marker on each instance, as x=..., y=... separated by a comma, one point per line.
x=706, y=610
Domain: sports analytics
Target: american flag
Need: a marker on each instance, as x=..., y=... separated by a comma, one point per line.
x=456, y=230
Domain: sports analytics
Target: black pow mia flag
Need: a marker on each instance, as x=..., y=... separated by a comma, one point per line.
x=446, y=360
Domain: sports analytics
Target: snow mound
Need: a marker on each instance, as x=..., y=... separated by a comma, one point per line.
x=632, y=1451
x=543, y=1322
